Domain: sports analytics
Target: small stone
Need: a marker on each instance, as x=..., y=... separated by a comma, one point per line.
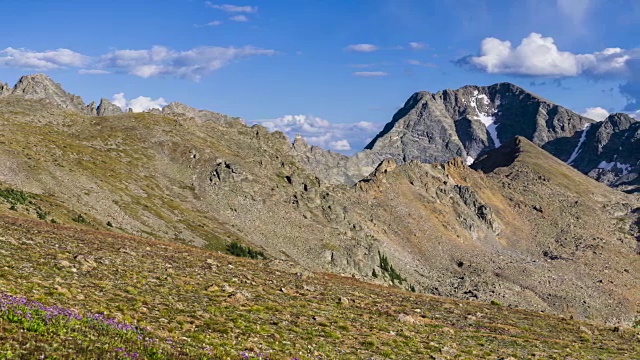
x=447, y=351
x=585, y=330
x=344, y=300
x=406, y=319
x=64, y=263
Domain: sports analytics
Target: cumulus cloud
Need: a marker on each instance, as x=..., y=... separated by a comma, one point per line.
x=414, y=45
x=139, y=104
x=340, y=145
x=320, y=132
x=233, y=8
x=370, y=73
x=46, y=60
x=596, y=113
x=539, y=56
x=362, y=48
x=161, y=61
x=239, y=18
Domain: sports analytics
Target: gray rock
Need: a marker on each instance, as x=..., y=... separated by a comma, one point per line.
x=5, y=90
x=40, y=86
x=334, y=168
x=91, y=109
x=610, y=152
x=107, y=108
x=176, y=109
x=471, y=120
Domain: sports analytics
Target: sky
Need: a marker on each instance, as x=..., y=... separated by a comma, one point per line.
x=333, y=71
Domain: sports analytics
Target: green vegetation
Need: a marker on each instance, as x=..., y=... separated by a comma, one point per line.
x=236, y=249
x=388, y=270
x=80, y=219
x=41, y=213
x=14, y=197
x=189, y=303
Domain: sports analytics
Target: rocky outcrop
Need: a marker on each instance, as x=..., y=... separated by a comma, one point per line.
x=331, y=167
x=107, y=108
x=471, y=120
x=5, y=90
x=40, y=86
x=609, y=151
x=176, y=109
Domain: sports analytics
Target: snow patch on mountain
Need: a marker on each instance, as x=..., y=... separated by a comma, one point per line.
x=609, y=165
x=487, y=119
x=577, y=150
x=469, y=160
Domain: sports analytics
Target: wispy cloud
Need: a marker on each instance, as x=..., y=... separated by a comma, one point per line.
x=414, y=45
x=370, y=73
x=362, y=48
x=233, y=8
x=320, y=132
x=190, y=64
x=161, y=61
x=239, y=18
x=420, y=63
x=139, y=104
x=93, y=72
x=212, y=23
x=46, y=60
x=577, y=11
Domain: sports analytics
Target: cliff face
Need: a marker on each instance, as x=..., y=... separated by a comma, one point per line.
x=473, y=119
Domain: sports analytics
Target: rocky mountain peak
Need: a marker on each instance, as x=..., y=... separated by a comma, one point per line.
x=107, y=108
x=466, y=122
x=41, y=86
x=620, y=121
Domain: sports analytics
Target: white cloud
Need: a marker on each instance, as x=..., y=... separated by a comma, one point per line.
x=320, y=132
x=420, y=63
x=158, y=61
x=46, y=60
x=233, y=8
x=370, y=73
x=362, y=48
x=341, y=145
x=596, y=113
x=191, y=64
x=239, y=18
x=139, y=104
x=414, y=45
x=211, y=23
x=93, y=72
x=539, y=56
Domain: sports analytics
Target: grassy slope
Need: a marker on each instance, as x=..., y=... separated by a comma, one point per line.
x=192, y=300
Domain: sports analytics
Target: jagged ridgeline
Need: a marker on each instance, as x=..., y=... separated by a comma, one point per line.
x=520, y=227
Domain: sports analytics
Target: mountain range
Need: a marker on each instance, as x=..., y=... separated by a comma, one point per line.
x=485, y=193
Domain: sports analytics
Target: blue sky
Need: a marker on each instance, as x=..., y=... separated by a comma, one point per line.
x=334, y=71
